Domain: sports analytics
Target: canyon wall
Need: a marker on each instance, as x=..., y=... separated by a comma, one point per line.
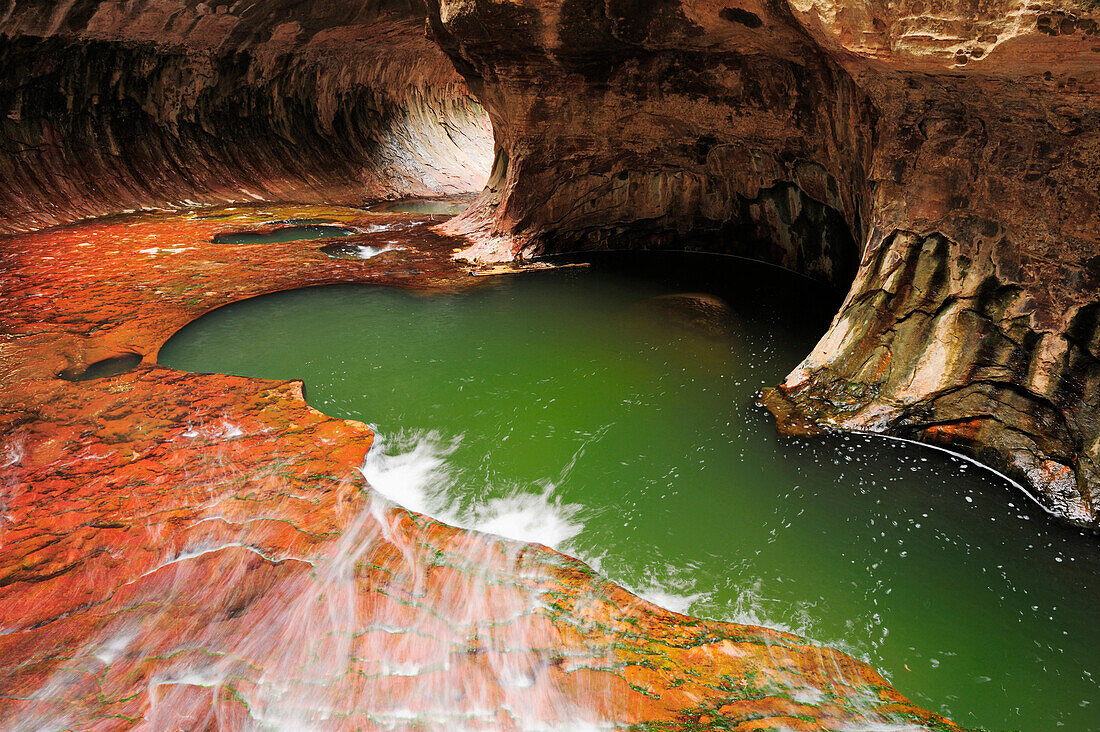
x=943, y=156
x=645, y=124
x=111, y=105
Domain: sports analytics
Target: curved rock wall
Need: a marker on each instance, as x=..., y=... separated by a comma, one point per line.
x=643, y=123
x=973, y=320
x=114, y=105
x=959, y=144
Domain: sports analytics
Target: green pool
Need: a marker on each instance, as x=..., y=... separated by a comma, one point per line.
x=284, y=231
x=609, y=412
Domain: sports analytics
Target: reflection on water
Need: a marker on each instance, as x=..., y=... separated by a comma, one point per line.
x=112, y=366
x=356, y=251
x=574, y=409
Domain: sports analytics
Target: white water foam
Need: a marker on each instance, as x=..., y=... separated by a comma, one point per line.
x=366, y=252
x=214, y=431
x=412, y=471
x=671, y=589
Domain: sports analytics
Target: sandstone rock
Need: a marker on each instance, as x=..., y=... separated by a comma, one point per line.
x=108, y=105
x=697, y=313
x=942, y=161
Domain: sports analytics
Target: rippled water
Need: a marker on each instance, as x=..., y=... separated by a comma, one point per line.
x=583, y=410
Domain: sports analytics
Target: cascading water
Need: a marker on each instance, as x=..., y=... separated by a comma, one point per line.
x=413, y=474
x=347, y=628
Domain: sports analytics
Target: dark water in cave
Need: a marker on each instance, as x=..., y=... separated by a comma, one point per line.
x=587, y=410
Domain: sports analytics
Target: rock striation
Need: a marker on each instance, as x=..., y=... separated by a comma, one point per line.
x=110, y=105
x=165, y=537
x=942, y=160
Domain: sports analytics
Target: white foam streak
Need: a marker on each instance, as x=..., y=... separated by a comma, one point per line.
x=412, y=471
x=413, y=477
x=367, y=252
x=676, y=602
x=538, y=518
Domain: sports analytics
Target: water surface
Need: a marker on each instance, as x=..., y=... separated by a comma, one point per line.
x=587, y=410
x=442, y=206
x=283, y=234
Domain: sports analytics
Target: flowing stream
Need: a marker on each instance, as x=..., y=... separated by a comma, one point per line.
x=609, y=413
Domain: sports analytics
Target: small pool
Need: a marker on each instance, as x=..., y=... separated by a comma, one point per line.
x=444, y=206
x=283, y=234
x=102, y=369
x=609, y=412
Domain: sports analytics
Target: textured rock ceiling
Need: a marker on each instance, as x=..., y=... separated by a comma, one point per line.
x=116, y=105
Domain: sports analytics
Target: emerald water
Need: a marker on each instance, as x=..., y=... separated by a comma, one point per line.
x=584, y=410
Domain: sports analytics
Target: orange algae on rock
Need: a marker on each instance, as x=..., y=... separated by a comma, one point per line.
x=198, y=551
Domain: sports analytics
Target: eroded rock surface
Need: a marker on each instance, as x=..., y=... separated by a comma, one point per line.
x=195, y=551
x=948, y=155
x=108, y=105
x=882, y=143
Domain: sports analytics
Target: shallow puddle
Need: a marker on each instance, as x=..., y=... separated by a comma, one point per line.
x=444, y=206
x=102, y=369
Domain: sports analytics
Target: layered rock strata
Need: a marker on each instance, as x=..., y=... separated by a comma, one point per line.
x=110, y=105
x=197, y=551
x=943, y=162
